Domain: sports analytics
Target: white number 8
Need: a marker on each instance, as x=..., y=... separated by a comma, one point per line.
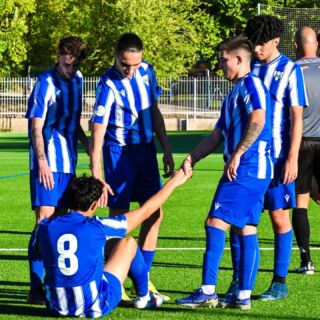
x=68, y=255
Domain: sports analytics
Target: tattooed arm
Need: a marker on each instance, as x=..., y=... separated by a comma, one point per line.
x=45, y=174
x=253, y=130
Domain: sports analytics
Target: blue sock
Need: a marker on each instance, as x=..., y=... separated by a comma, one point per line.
x=282, y=253
x=148, y=258
x=235, y=253
x=249, y=262
x=36, y=268
x=215, y=241
x=138, y=274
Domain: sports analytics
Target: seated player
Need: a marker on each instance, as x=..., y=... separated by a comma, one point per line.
x=77, y=282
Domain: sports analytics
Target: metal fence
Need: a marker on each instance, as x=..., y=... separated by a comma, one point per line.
x=198, y=97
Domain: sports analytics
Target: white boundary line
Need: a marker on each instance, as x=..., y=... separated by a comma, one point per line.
x=165, y=249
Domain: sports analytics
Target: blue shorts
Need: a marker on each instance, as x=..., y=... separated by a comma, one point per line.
x=239, y=202
x=132, y=172
x=110, y=294
x=58, y=197
x=279, y=195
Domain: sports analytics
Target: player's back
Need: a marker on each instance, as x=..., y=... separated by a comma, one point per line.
x=72, y=247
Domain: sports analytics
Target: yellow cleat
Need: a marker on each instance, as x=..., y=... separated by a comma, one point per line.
x=153, y=289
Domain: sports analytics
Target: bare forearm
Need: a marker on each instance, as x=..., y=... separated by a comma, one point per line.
x=295, y=139
x=84, y=140
x=160, y=130
x=206, y=146
x=250, y=135
x=38, y=143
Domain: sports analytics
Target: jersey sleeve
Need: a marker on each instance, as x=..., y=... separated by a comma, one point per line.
x=103, y=104
x=297, y=93
x=115, y=227
x=155, y=88
x=255, y=95
x=42, y=96
x=221, y=122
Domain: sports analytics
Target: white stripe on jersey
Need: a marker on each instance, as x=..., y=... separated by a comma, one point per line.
x=112, y=223
x=262, y=160
x=62, y=300
x=79, y=301
x=131, y=100
x=52, y=155
x=145, y=103
x=294, y=88
x=261, y=93
x=119, y=116
x=95, y=308
x=107, y=107
x=65, y=154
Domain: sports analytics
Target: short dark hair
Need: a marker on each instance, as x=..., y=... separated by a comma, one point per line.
x=84, y=191
x=129, y=42
x=236, y=43
x=73, y=46
x=263, y=28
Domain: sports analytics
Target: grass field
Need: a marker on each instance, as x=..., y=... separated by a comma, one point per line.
x=177, y=266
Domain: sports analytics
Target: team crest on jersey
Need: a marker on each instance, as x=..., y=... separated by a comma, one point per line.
x=277, y=75
x=217, y=205
x=145, y=79
x=287, y=197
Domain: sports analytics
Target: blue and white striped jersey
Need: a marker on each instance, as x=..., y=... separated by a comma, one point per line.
x=125, y=105
x=284, y=80
x=73, y=255
x=59, y=102
x=248, y=94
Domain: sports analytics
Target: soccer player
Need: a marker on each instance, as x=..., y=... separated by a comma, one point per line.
x=77, y=281
x=125, y=118
x=54, y=110
x=284, y=80
x=245, y=126
x=306, y=46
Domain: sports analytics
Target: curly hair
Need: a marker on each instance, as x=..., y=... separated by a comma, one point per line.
x=263, y=28
x=84, y=191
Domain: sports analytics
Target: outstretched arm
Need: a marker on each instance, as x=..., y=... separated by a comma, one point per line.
x=160, y=131
x=97, y=138
x=253, y=130
x=45, y=174
x=136, y=217
x=205, y=147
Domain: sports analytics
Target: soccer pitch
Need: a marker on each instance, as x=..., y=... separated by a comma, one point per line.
x=177, y=267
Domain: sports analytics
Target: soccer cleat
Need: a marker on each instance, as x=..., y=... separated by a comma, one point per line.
x=125, y=299
x=199, y=299
x=233, y=288
x=155, y=301
x=36, y=297
x=307, y=268
x=153, y=289
x=276, y=291
x=235, y=303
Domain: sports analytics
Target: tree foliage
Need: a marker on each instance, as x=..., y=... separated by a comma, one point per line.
x=14, y=27
x=176, y=33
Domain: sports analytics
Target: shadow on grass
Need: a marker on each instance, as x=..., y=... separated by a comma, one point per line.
x=23, y=310
x=14, y=232
x=13, y=257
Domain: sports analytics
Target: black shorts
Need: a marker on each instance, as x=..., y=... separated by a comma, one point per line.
x=308, y=164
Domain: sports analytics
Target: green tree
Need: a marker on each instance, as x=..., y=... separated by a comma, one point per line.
x=14, y=26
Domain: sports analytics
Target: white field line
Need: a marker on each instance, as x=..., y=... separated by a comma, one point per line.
x=166, y=249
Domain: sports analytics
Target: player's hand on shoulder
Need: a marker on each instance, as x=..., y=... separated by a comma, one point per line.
x=45, y=174
x=103, y=201
x=168, y=164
